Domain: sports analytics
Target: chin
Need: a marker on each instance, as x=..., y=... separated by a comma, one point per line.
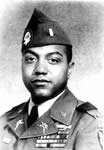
x=41, y=96
x=42, y=93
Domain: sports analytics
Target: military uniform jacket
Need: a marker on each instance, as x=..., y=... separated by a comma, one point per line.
x=70, y=124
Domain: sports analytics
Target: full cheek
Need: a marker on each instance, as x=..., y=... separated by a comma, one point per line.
x=27, y=72
x=59, y=75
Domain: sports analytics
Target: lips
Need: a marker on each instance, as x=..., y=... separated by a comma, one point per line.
x=40, y=81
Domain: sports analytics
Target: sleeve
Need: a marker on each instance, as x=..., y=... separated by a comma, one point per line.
x=91, y=134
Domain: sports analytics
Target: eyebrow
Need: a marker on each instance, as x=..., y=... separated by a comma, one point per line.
x=50, y=53
x=29, y=51
x=55, y=53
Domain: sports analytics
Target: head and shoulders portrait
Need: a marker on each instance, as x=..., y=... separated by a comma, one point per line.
x=57, y=45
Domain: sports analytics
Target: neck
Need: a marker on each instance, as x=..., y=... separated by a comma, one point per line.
x=40, y=100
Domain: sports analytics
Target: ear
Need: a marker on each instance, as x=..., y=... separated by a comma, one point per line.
x=71, y=65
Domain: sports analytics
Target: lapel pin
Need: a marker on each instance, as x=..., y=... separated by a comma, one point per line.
x=44, y=127
x=63, y=114
x=18, y=123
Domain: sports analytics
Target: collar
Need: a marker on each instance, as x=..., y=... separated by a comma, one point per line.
x=61, y=111
x=44, y=107
x=64, y=108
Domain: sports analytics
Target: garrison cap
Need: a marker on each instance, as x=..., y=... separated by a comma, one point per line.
x=41, y=31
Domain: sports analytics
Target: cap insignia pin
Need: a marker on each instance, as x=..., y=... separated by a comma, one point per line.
x=51, y=32
x=27, y=38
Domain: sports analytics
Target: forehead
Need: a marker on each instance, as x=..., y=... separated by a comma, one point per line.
x=48, y=49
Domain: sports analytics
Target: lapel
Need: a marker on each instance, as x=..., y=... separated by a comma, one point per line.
x=62, y=111
x=17, y=123
x=16, y=119
x=43, y=126
x=64, y=108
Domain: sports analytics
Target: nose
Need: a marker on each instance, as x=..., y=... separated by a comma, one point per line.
x=40, y=68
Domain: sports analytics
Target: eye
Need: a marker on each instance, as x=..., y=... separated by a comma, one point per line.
x=54, y=60
x=30, y=59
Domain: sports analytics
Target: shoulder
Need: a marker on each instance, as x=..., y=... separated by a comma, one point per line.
x=89, y=113
x=12, y=113
x=80, y=106
x=88, y=108
x=91, y=126
x=90, y=116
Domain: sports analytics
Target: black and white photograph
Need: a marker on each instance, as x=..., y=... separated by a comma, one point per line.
x=51, y=75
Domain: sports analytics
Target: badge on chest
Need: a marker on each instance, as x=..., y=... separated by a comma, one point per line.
x=57, y=140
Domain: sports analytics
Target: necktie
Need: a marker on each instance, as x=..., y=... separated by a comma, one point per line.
x=33, y=116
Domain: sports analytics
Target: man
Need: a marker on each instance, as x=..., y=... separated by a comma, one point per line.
x=53, y=118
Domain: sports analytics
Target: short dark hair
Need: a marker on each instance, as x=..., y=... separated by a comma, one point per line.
x=68, y=51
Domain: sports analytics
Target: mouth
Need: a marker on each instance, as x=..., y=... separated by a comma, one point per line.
x=40, y=82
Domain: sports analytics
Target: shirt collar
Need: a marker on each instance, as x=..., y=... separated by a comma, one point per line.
x=44, y=107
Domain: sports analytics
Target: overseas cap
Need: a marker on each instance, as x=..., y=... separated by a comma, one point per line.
x=41, y=31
